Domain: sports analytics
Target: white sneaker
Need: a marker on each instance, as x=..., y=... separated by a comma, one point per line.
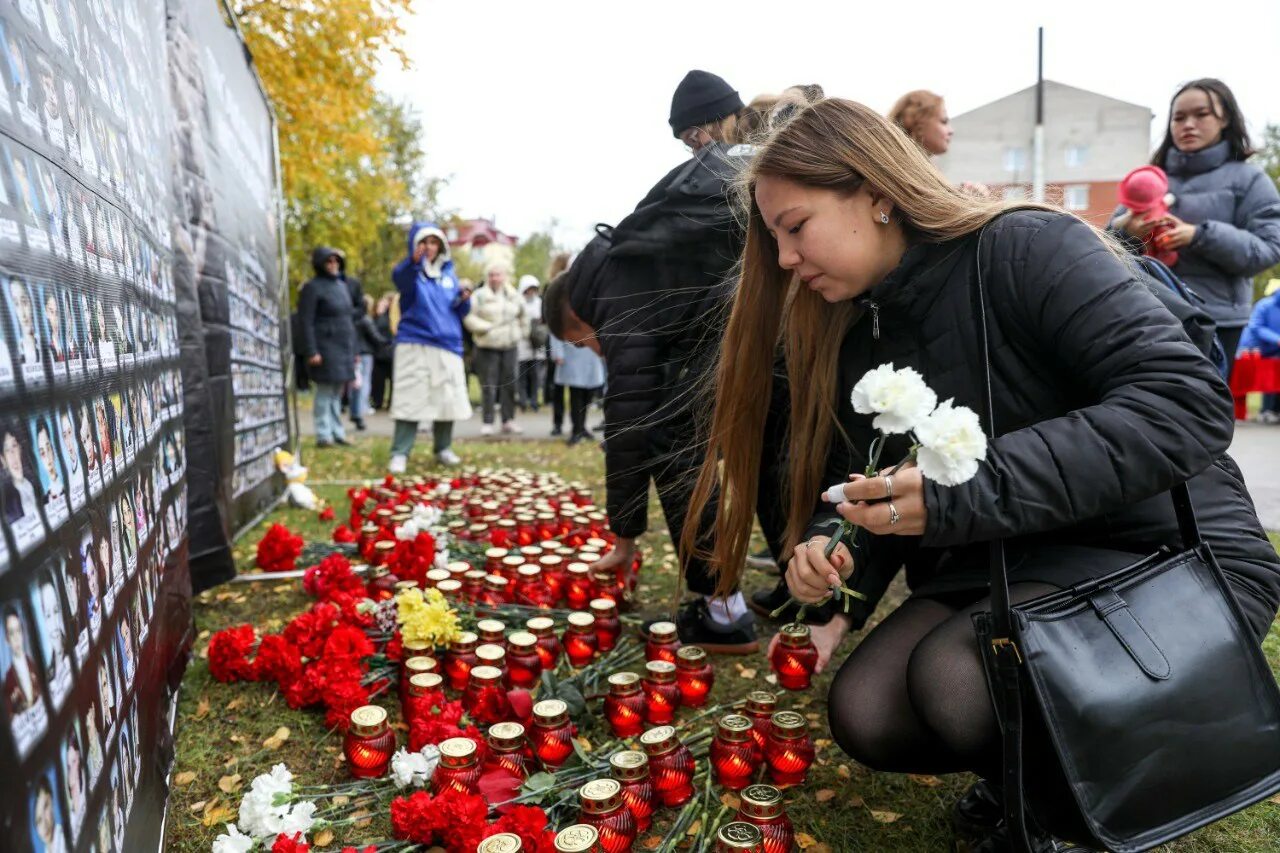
x=512, y=428
x=448, y=457
x=486, y=429
x=398, y=463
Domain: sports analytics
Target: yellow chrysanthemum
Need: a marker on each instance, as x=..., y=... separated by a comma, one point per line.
x=426, y=618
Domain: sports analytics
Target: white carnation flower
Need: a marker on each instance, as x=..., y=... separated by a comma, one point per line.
x=259, y=813
x=951, y=444
x=300, y=818
x=442, y=557
x=408, y=531
x=414, y=768
x=900, y=399
x=232, y=841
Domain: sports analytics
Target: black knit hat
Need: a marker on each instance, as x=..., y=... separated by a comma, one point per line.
x=700, y=98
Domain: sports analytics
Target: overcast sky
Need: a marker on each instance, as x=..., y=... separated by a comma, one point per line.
x=536, y=111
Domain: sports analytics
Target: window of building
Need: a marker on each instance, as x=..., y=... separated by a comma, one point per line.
x=1015, y=159
x=1076, y=197
x=1014, y=192
x=1076, y=155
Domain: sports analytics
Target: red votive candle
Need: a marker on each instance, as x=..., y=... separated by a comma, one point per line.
x=608, y=626
x=789, y=749
x=762, y=805
x=739, y=837
x=494, y=655
x=548, y=526
x=578, y=590
x=473, y=585
x=761, y=705
x=531, y=589
x=459, y=660
x=426, y=690
x=510, y=567
x=663, y=642
x=732, y=752
x=509, y=749
x=694, y=676
x=555, y=574
x=485, y=699
x=451, y=589
x=671, y=766
x=526, y=530
x=579, y=838
x=493, y=560
x=434, y=576
x=624, y=706
x=794, y=658
x=524, y=667
x=415, y=662
x=503, y=842
x=580, y=643
x=459, y=767
x=369, y=742
x=600, y=801
x=606, y=585
x=552, y=733
x=631, y=769
x=496, y=591
x=661, y=693
x=503, y=533
x=492, y=631
x=381, y=551
x=549, y=648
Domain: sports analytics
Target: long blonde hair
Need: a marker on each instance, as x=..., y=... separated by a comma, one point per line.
x=836, y=145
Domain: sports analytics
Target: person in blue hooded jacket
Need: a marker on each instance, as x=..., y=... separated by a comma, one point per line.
x=1262, y=335
x=428, y=381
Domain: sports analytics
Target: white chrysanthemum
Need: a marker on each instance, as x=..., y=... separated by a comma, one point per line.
x=232, y=841
x=414, y=768
x=300, y=818
x=951, y=444
x=900, y=399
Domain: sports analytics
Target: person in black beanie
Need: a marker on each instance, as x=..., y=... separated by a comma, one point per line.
x=704, y=109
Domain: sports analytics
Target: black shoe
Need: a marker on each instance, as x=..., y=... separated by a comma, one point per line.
x=359, y=422
x=999, y=841
x=577, y=438
x=556, y=431
x=762, y=559
x=765, y=601
x=696, y=628
x=980, y=811
x=320, y=444
x=342, y=442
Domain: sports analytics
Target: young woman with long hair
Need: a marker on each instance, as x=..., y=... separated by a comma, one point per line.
x=860, y=253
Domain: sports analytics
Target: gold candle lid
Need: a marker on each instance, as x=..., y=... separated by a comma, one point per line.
x=424, y=682
x=503, y=842
x=588, y=557
x=369, y=528
x=491, y=654
x=437, y=575
x=692, y=657
x=458, y=568
x=595, y=541
x=564, y=552
x=400, y=518
x=522, y=640
x=581, y=621
x=495, y=553
x=762, y=801
x=506, y=737
x=761, y=702
x=531, y=552
x=600, y=796
x=368, y=720
x=416, y=645
x=403, y=508
x=622, y=683
x=734, y=728
x=603, y=574
x=603, y=606
x=529, y=571
x=788, y=723
x=794, y=634
x=465, y=642
x=550, y=712
x=660, y=740
x=495, y=582
x=512, y=561
x=579, y=838
x=449, y=586
x=383, y=512
x=384, y=545
x=457, y=752
x=420, y=663
x=506, y=522
x=477, y=529
x=739, y=835
x=662, y=632
x=486, y=674
x=550, y=561
x=476, y=575
x=540, y=625
x=546, y=516
x=490, y=628
x=550, y=547
x=660, y=671
x=579, y=568
x=629, y=765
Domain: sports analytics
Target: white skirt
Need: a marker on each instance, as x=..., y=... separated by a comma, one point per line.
x=428, y=384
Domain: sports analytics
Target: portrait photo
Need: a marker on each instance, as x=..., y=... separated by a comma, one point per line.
x=72, y=455
x=48, y=830
x=53, y=482
x=20, y=496
x=54, y=633
x=24, y=688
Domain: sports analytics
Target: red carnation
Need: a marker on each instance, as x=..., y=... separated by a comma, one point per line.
x=229, y=653
x=308, y=630
x=326, y=514
x=278, y=550
x=395, y=648
x=425, y=731
x=342, y=533
x=346, y=643
x=290, y=844
x=370, y=849
x=278, y=660
x=340, y=700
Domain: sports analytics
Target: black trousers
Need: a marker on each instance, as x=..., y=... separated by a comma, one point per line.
x=1230, y=338
x=497, y=371
x=381, y=383
x=556, y=394
x=579, y=400
x=529, y=383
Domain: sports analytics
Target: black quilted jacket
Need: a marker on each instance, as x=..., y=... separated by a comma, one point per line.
x=1102, y=403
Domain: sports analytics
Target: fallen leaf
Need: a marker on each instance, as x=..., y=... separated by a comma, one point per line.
x=885, y=817
x=202, y=710
x=804, y=840
x=855, y=802
x=195, y=807
x=1275, y=799
x=822, y=743
x=323, y=838
x=747, y=673
x=277, y=740
x=230, y=762
x=185, y=778
x=341, y=800
x=229, y=784
x=927, y=781
x=652, y=842
x=695, y=829
x=235, y=703
x=843, y=771
x=730, y=801
x=824, y=795
x=361, y=818
x=585, y=744
x=217, y=812
x=820, y=847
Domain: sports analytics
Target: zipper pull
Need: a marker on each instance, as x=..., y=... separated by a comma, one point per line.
x=875, y=320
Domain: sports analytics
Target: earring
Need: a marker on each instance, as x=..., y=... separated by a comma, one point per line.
x=884, y=218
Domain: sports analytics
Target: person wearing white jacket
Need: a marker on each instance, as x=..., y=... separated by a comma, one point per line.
x=497, y=322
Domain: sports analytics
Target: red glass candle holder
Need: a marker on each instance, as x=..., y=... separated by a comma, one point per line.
x=794, y=658
x=415, y=664
x=549, y=648
x=524, y=666
x=526, y=530
x=459, y=660
x=661, y=693
x=601, y=806
x=494, y=655
x=663, y=642
x=382, y=549
x=608, y=626
x=493, y=560
x=762, y=805
x=579, y=588
x=382, y=584
x=426, y=690
x=580, y=643
x=733, y=755
x=694, y=676
x=509, y=749
x=761, y=706
x=548, y=526
x=624, y=706
x=485, y=698
x=739, y=837
x=458, y=569
x=552, y=733
x=459, y=767
x=789, y=749
x=671, y=766
x=451, y=589
x=531, y=590
x=496, y=591
x=503, y=533
x=369, y=742
x=479, y=532
x=473, y=585
x=579, y=838
x=631, y=769
x=531, y=553
x=510, y=568
x=605, y=583
x=435, y=576
x=492, y=631
x=555, y=574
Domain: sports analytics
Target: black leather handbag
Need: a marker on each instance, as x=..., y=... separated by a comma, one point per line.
x=1154, y=693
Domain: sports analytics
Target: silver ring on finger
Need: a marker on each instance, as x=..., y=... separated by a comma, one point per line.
x=888, y=486
x=894, y=517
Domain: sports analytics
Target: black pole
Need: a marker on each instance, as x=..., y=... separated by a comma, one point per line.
x=1040, y=76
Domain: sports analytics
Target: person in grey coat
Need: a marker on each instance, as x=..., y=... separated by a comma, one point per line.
x=582, y=372
x=327, y=342
x=1225, y=212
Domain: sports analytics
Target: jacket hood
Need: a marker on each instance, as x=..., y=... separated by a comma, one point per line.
x=419, y=231
x=320, y=254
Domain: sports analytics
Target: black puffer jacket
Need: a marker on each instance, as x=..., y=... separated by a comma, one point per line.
x=1102, y=404
x=655, y=290
x=325, y=310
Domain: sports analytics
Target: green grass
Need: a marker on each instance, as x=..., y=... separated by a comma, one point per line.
x=221, y=727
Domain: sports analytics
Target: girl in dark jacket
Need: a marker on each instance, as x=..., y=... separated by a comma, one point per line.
x=328, y=342
x=860, y=253
x=1225, y=213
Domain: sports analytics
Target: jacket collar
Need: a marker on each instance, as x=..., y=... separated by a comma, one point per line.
x=910, y=286
x=1197, y=162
